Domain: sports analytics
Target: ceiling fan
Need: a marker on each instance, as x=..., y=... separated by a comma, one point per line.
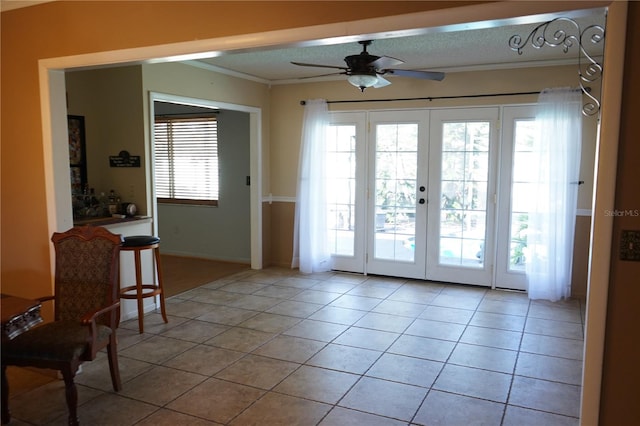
x=366, y=70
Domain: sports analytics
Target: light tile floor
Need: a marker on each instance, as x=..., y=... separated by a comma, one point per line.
x=275, y=347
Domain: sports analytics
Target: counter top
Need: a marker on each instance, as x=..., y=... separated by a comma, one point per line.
x=101, y=221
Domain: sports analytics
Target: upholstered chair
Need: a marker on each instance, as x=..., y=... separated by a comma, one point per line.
x=86, y=305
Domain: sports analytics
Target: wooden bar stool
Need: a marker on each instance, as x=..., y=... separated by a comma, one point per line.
x=141, y=291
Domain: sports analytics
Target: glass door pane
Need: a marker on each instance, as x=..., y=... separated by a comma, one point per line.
x=524, y=133
x=464, y=178
x=395, y=190
x=341, y=186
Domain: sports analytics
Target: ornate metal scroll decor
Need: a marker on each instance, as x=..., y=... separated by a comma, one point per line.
x=559, y=33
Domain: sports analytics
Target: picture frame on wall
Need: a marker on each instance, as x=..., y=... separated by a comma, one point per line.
x=77, y=153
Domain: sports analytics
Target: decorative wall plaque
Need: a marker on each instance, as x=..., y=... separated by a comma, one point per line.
x=124, y=159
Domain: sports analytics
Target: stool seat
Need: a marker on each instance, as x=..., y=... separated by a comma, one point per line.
x=140, y=291
x=140, y=240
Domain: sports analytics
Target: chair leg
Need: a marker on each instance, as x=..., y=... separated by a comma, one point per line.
x=114, y=369
x=6, y=414
x=163, y=309
x=71, y=393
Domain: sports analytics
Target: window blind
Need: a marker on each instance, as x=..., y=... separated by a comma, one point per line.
x=186, y=160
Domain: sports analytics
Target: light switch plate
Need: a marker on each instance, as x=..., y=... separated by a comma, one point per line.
x=630, y=245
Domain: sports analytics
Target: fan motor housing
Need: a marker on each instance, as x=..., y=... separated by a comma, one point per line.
x=360, y=64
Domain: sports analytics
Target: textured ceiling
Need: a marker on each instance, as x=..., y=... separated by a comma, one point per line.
x=438, y=51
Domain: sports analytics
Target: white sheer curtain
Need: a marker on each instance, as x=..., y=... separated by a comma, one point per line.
x=556, y=156
x=310, y=245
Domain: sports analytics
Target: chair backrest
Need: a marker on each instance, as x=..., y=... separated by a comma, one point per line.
x=87, y=271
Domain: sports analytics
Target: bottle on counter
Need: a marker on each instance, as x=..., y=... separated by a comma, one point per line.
x=104, y=204
x=93, y=200
x=114, y=202
x=86, y=198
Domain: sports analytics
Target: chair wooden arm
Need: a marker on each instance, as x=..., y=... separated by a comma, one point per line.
x=89, y=320
x=91, y=316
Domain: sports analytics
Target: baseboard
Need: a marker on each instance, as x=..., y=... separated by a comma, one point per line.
x=242, y=261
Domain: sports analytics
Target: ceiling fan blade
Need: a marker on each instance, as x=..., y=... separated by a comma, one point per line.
x=302, y=64
x=381, y=82
x=384, y=62
x=324, y=75
x=425, y=75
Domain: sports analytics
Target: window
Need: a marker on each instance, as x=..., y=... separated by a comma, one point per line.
x=186, y=160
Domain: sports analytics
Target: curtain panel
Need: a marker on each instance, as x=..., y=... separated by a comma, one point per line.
x=552, y=216
x=310, y=240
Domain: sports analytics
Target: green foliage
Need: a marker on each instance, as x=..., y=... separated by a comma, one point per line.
x=520, y=239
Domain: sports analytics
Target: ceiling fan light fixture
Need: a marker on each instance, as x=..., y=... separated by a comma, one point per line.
x=362, y=81
x=366, y=70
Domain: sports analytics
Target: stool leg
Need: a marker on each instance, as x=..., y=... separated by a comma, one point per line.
x=163, y=309
x=139, y=291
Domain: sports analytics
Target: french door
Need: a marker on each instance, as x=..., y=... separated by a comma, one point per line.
x=462, y=195
x=397, y=195
x=415, y=194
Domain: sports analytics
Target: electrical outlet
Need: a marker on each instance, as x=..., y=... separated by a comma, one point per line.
x=630, y=245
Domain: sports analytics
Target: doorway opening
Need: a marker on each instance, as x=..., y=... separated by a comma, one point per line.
x=221, y=231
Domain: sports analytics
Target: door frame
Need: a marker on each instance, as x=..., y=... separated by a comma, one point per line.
x=254, y=119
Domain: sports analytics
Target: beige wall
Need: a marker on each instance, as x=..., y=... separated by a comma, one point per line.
x=580, y=271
